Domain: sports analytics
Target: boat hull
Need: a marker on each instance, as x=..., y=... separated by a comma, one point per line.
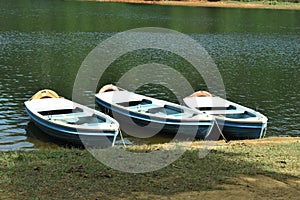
x=74, y=135
x=143, y=126
x=71, y=122
x=241, y=131
x=236, y=121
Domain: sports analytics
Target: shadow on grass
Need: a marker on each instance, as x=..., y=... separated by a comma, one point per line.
x=75, y=174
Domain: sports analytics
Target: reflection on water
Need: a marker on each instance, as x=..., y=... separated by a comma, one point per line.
x=12, y=122
x=43, y=45
x=41, y=140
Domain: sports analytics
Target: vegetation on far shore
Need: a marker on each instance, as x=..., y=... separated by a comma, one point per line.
x=258, y=4
x=262, y=1
x=235, y=170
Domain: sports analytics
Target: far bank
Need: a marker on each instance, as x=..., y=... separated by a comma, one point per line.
x=271, y=4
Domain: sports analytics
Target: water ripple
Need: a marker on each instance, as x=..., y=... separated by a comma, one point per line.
x=259, y=62
x=17, y=146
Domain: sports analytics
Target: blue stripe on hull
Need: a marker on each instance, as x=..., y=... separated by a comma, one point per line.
x=234, y=131
x=187, y=131
x=71, y=135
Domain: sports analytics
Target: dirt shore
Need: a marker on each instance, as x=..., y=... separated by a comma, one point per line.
x=221, y=143
x=222, y=4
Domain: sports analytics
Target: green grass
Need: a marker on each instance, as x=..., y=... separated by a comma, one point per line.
x=76, y=174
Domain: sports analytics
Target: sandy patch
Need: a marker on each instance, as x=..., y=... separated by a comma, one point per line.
x=242, y=187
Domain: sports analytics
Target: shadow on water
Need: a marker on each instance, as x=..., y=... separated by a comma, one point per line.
x=41, y=140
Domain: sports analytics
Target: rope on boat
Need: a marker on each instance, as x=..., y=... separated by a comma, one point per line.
x=121, y=135
x=220, y=131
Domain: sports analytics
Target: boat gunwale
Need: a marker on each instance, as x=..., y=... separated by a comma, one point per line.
x=80, y=129
x=167, y=119
x=259, y=118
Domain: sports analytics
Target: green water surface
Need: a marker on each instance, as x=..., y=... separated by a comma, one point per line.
x=44, y=42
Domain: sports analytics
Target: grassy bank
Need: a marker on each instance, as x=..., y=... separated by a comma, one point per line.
x=266, y=4
x=265, y=169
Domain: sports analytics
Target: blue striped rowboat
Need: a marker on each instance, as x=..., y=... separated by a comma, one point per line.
x=71, y=122
x=236, y=121
x=143, y=117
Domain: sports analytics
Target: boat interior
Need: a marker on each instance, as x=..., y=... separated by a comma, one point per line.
x=218, y=106
x=147, y=106
x=73, y=116
x=229, y=111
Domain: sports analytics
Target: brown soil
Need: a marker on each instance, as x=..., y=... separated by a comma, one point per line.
x=215, y=144
x=268, y=140
x=243, y=187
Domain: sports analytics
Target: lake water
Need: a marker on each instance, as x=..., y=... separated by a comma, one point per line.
x=43, y=43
